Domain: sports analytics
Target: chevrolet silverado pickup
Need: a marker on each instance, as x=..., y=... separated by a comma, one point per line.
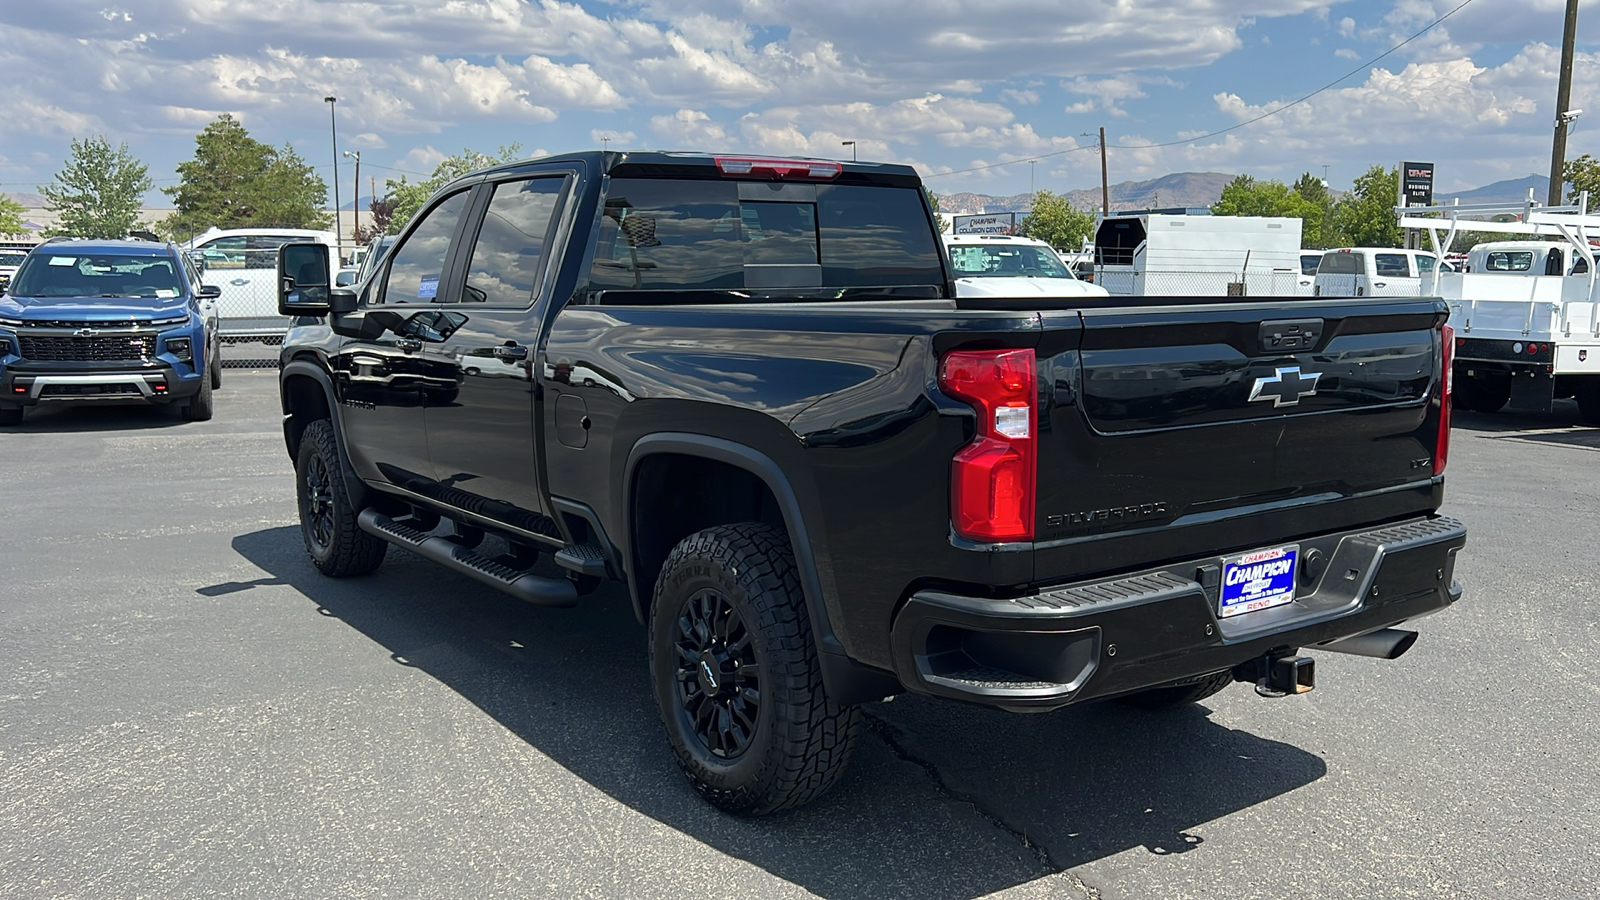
x=748, y=389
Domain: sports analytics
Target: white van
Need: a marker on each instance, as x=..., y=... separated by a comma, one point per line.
x=1373, y=272
x=244, y=263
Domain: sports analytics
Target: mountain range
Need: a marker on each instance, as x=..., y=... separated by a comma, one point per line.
x=1202, y=189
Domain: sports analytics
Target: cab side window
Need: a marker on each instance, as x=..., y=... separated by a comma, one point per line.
x=509, y=257
x=225, y=252
x=416, y=266
x=1391, y=265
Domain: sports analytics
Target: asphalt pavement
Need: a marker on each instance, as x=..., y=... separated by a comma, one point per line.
x=187, y=709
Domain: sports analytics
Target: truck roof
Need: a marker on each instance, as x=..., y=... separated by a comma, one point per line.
x=698, y=164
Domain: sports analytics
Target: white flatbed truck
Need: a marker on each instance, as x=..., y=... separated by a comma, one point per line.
x=1524, y=338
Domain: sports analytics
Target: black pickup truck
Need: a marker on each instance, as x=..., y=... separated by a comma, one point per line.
x=747, y=389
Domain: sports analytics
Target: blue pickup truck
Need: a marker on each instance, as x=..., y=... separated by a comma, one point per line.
x=108, y=320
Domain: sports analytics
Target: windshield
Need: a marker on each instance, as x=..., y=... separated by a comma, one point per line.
x=96, y=275
x=1006, y=261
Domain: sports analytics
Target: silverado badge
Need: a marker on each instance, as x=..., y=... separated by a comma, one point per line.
x=1286, y=386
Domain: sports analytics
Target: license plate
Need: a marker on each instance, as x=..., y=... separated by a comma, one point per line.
x=1259, y=580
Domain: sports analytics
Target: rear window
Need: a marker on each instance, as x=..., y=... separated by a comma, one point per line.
x=758, y=240
x=1425, y=264
x=1508, y=261
x=1340, y=264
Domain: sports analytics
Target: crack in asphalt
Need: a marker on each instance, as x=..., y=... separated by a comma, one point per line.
x=891, y=737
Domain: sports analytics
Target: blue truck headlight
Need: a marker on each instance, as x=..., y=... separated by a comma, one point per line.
x=181, y=348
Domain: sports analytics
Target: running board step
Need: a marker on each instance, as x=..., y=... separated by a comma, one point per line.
x=536, y=589
x=585, y=559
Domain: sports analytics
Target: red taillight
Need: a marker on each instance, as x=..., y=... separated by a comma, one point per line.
x=1447, y=381
x=804, y=169
x=993, y=480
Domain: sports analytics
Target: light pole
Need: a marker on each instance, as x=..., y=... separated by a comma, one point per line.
x=852, y=146
x=333, y=124
x=355, y=233
x=605, y=142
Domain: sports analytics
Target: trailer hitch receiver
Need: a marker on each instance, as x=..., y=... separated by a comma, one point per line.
x=1279, y=674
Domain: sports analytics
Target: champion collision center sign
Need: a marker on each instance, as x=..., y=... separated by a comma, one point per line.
x=985, y=223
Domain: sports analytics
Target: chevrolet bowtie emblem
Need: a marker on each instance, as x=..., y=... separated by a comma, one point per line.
x=85, y=332
x=1286, y=386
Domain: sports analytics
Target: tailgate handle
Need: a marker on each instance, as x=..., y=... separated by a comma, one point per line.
x=1289, y=335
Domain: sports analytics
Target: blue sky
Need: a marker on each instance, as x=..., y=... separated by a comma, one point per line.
x=946, y=86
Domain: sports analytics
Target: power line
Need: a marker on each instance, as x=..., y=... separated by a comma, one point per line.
x=1293, y=103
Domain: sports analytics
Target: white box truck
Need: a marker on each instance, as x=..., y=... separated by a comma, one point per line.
x=1199, y=256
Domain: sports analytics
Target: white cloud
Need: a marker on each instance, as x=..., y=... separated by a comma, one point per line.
x=688, y=128
x=621, y=139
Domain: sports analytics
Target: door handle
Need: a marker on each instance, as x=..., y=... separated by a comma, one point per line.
x=511, y=352
x=408, y=345
x=1380, y=284
x=239, y=282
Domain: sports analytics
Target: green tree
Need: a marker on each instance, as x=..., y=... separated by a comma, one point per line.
x=933, y=201
x=98, y=192
x=1307, y=201
x=408, y=197
x=11, y=213
x=1315, y=232
x=1583, y=174
x=1365, y=217
x=236, y=181
x=1057, y=222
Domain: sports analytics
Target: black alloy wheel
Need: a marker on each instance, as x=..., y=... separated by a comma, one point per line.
x=719, y=678
x=318, y=503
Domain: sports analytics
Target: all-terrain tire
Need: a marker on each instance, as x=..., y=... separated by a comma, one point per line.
x=761, y=734
x=1181, y=694
x=337, y=545
x=216, y=369
x=201, y=406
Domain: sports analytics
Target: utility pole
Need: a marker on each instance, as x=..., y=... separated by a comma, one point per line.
x=1558, y=152
x=1105, y=185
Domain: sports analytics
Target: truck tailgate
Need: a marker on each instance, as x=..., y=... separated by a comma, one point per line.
x=1174, y=431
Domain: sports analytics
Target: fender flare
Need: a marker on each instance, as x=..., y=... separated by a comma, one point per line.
x=848, y=682
x=355, y=488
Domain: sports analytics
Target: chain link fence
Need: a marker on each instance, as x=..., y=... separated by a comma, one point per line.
x=1252, y=282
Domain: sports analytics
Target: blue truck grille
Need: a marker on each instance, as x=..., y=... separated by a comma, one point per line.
x=100, y=348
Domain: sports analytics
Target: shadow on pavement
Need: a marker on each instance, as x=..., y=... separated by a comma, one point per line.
x=1561, y=426
x=117, y=415
x=1064, y=788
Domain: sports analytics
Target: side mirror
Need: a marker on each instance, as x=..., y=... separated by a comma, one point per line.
x=210, y=292
x=303, y=279
x=198, y=257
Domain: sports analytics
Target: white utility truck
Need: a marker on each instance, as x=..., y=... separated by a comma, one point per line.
x=1526, y=313
x=1199, y=256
